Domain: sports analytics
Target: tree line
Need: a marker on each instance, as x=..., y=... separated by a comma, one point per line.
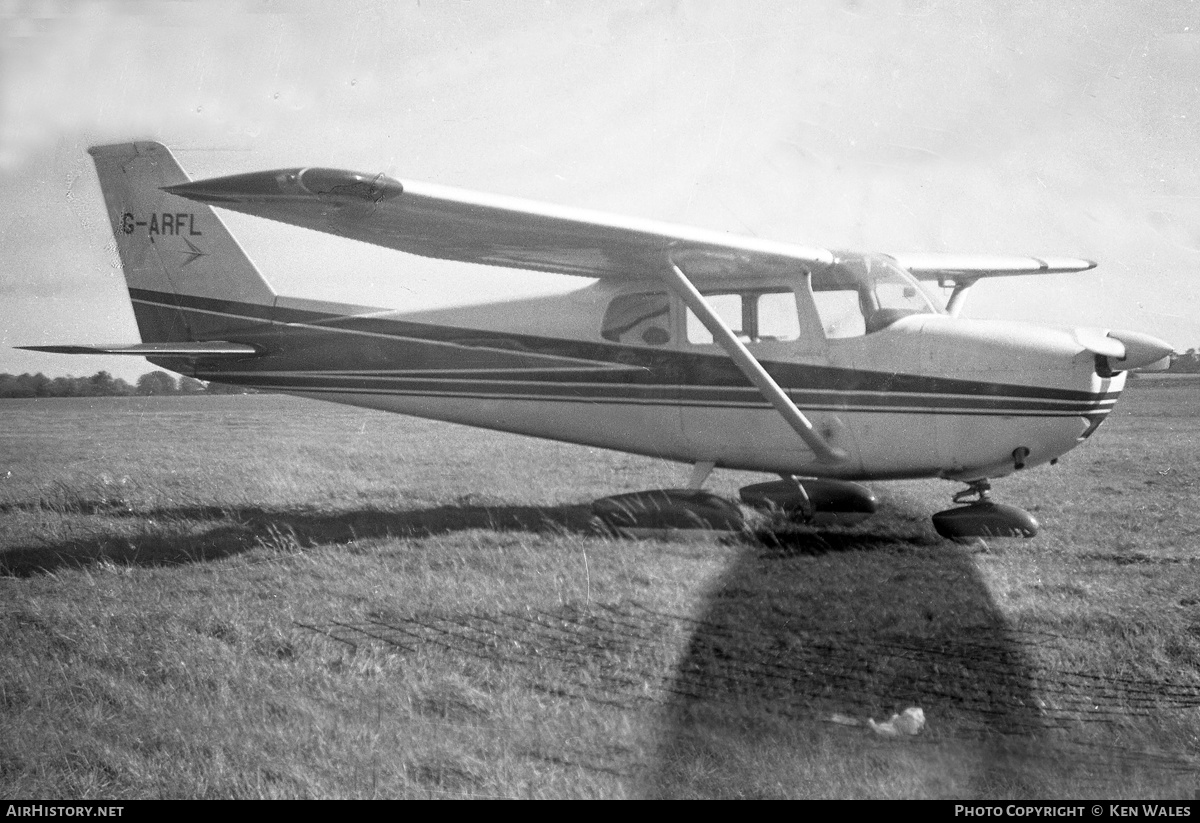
x=103, y=384
x=1186, y=363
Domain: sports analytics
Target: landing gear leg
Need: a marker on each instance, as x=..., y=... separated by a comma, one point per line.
x=700, y=473
x=982, y=517
x=981, y=490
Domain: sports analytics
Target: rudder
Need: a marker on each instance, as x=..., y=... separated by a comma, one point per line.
x=188, y=277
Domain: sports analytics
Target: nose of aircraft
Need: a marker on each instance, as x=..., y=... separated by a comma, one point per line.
x=1124, y=350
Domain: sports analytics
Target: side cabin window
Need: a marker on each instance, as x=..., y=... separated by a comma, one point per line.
x=860, y=295
x=638, y=319
x=754, y=315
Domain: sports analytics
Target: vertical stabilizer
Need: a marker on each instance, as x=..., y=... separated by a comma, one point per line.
x=188, y=278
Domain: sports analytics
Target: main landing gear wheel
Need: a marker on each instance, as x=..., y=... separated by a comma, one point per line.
x=661, y=511
x=983, y=517
x=808, y=500
x=813, y=500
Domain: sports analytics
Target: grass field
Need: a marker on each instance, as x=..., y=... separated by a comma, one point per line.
x=259, y=596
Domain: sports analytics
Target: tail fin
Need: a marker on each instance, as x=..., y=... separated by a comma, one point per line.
x=188, y=278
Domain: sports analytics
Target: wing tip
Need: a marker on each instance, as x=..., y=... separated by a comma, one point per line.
x=1066, y=265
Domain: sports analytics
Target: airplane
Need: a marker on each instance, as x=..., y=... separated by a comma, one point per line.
x=827, y=368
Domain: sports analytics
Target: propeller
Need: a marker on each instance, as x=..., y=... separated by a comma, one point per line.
x=1124, y=350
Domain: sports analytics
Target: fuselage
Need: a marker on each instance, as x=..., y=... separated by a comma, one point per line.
x=624, y=367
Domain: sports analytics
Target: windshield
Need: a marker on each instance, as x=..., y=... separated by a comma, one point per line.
x=863, y=294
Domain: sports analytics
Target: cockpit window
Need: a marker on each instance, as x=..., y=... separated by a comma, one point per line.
x=863, y=294
x=638, y=319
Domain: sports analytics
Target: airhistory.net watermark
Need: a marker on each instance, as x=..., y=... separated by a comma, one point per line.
x=43, y=810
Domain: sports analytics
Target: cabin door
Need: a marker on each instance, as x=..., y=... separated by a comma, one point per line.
x=725, y=418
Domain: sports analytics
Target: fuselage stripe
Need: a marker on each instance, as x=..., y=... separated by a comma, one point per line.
x=675, y=403
x=621, y=392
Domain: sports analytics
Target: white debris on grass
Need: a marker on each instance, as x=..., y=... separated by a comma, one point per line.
x=908, y=722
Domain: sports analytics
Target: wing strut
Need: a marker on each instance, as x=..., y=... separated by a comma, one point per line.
x=750, y=366
x=958, y=296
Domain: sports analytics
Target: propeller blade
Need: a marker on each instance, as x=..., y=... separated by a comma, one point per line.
x=1097, y=341
x=1140, y=349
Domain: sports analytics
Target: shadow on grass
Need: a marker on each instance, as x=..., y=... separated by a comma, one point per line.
x=180, y=535
x=792, y=655
x=793, y=651
x=120, y=533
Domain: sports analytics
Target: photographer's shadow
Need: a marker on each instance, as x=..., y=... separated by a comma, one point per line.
x=800, y=644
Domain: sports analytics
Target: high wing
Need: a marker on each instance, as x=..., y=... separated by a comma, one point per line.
x=958, y=267
x=473, y=227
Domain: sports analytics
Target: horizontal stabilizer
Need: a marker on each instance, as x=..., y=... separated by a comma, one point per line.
x=206, y=348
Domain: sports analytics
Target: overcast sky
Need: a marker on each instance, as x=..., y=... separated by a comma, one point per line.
x=1047, y=128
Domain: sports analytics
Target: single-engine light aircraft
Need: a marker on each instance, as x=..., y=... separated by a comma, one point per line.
x=715, y=350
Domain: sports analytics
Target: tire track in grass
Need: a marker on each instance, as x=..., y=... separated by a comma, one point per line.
x=606, y=654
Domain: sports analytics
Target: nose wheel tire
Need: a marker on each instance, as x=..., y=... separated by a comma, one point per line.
x=983, y=517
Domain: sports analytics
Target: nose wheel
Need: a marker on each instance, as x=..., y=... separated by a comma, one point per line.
x=981, y=517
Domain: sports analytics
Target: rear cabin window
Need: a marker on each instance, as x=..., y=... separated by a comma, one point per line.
x=638, y=319
x=754, y=316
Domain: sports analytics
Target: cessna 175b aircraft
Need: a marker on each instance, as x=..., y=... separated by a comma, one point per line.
x=824, y=367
